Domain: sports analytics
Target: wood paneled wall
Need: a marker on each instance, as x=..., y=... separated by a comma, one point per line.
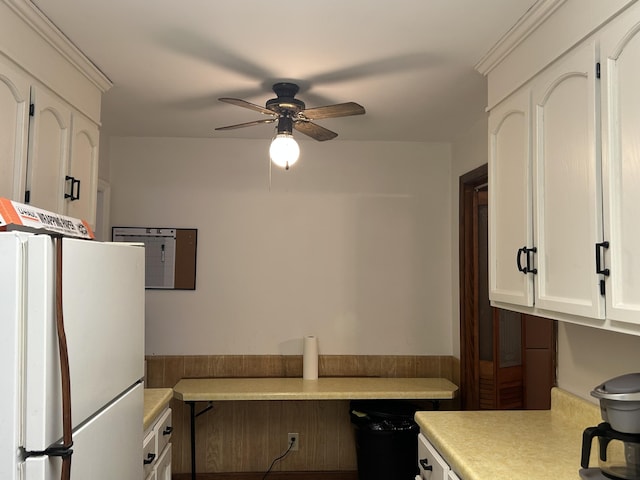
x=245, y=436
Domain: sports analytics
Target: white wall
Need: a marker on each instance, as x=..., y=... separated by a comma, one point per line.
x=352, y=245
x=357, y=244
x=589, y=356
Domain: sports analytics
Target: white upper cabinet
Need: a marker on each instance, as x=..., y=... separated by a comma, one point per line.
x=50, y=99
x=14, y=124
x=63, y=159
x=568, y=214
x=545, y=192
x=510, y=201
x=620, y=66
x=48, y=158
x=82, y=174
x=564, y=173
x=48, y=151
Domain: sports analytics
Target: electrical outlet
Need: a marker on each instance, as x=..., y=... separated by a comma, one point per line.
x=293, y=439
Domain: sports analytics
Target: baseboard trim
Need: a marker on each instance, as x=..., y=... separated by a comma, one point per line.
x=345, y=475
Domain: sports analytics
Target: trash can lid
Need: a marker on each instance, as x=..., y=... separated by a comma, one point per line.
x=393, y=426
x=390, y=409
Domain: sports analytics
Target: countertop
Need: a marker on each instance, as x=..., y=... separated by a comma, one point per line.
x=514, y=444
x=155, y=401
x=324, y=388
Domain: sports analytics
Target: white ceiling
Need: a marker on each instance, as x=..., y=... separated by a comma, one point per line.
x=410, y=63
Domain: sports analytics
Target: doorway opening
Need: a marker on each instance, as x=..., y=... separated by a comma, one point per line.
x=507, y=359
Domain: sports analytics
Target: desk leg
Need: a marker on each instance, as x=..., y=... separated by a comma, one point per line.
x=193, y=415
x=192, y=409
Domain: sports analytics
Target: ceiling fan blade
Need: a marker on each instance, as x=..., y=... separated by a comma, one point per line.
x=337, y=110
x=247, y=124
x=315, y=131
x=245, y=104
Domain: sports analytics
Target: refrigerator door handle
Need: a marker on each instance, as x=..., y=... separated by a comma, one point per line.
x=67, y=433
x=54, y=451
x=62, y=451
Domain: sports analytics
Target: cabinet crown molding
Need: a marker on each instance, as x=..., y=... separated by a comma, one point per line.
x=526, y=25
x=36, y=20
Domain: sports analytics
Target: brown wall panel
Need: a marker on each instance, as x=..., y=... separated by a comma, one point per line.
x=245, y=436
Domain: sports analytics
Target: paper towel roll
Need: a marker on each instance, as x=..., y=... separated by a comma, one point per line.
x=310, y=358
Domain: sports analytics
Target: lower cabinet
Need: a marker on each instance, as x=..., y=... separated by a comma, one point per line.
x=162, y=469
x=157, y=448
x=432, y=465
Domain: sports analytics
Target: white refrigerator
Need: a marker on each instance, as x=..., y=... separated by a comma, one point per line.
x=103, y=305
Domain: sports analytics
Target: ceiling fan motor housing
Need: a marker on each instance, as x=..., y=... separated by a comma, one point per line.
x=285, y=89
x=285, y=104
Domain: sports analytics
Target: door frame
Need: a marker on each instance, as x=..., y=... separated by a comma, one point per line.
x=469, y=364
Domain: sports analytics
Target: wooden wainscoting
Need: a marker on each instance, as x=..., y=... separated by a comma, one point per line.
x=271, y=476
x=245, y=436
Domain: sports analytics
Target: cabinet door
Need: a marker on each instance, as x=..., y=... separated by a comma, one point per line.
x=620, y=49
x=83, y=170
x=432, y=465
x=163, y=467
x=163, y=430
x=149, y=453
x=48, y=151
x=568, y=211
x=510, y=200
x=14, y=125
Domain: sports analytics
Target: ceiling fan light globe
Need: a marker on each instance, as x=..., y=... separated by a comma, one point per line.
x=284, y=150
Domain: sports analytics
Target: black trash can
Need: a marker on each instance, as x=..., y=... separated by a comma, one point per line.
x=386, y=439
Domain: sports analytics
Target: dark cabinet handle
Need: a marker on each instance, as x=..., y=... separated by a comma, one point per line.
x=167, y=431
x=76, y=183
x=424, y=463
x=150, y=458
x=74, y=190
x=518, y=255
x=527, y=268
x=599, y=247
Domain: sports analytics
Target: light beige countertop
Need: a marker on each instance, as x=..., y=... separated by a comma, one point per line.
x=155, y=401
x=324, y=388
x=514, y=444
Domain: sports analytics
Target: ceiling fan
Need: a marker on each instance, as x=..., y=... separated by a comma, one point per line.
x=292, y=113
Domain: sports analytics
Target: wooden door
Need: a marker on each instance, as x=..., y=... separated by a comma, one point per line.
x=499, y=331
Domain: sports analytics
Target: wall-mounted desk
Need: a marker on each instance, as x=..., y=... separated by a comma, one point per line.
x=193, y=390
